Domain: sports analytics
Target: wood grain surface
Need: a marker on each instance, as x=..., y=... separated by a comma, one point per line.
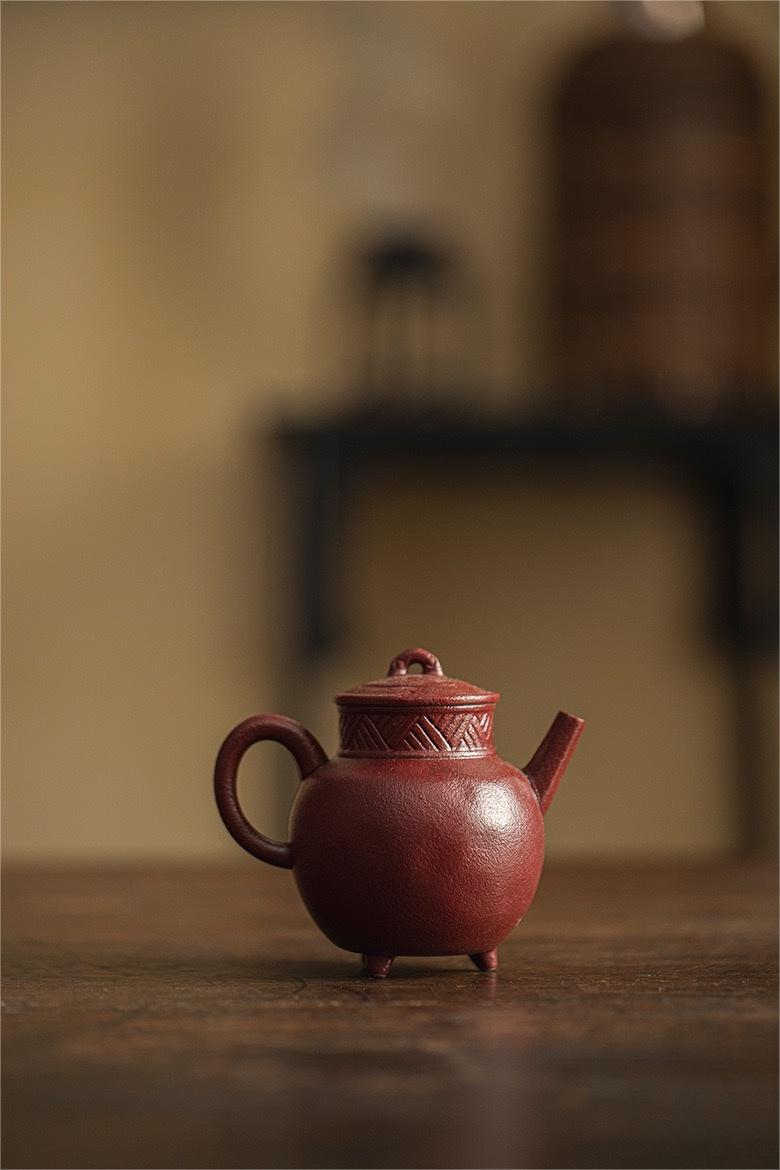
x=195, y=1018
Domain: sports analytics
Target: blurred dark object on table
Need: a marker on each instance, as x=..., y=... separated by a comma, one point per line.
x=417, y=307
x=664, y=280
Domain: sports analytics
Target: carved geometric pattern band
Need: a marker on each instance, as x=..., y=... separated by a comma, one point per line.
x=376, y=733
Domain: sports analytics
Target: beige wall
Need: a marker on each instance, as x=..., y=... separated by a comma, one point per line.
x=176, y=191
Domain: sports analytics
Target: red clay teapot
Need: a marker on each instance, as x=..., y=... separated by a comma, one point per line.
x=416, y=839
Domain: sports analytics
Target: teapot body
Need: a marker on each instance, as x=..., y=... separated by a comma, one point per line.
x=400, y=857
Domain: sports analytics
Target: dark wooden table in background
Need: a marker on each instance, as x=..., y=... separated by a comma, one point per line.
x=195, y=1018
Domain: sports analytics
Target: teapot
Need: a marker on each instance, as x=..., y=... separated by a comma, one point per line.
x=417, y=838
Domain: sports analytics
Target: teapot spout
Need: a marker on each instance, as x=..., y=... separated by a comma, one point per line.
x=551, y=758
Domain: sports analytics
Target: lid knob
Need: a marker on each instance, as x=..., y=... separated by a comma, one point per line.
x=401, y=663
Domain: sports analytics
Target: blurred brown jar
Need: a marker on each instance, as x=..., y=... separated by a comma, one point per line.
x=664, y=281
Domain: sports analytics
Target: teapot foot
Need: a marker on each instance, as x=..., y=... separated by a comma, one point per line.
x=377, y=966
x=486, y=960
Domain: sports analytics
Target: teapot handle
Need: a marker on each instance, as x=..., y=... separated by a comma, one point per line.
x=305, y=750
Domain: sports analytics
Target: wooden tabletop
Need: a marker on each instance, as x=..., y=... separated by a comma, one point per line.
x=196, y=1018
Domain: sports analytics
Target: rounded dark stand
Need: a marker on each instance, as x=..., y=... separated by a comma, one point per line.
x=486, y=960
x=377, y=966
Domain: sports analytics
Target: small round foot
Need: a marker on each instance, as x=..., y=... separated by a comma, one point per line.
x=486, y=960
x=377, y=966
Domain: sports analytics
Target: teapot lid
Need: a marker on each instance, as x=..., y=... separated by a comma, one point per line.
x=431, y=687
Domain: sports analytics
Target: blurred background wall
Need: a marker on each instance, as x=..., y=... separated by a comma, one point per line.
x=181, y=184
